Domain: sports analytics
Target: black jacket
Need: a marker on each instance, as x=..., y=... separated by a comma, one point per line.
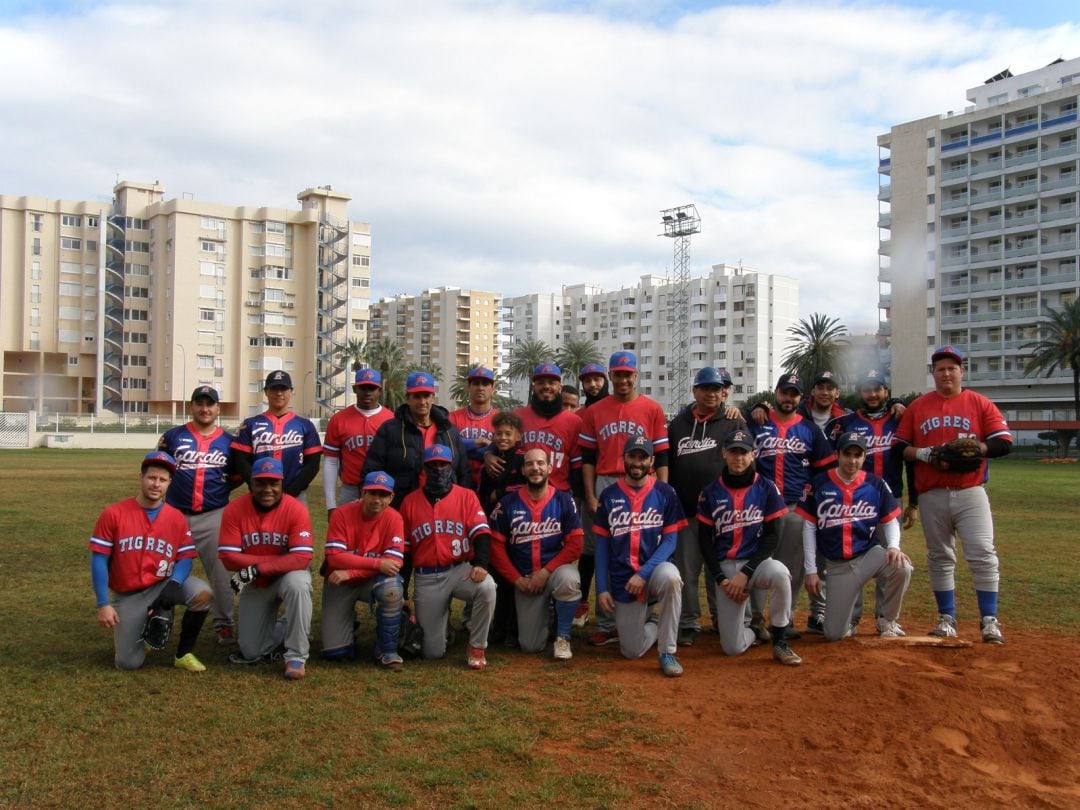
x=694, y=453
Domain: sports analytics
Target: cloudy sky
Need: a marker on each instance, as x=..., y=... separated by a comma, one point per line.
x=514, y=146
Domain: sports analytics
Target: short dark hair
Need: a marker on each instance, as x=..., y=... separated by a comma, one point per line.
x=571, y=389
x=507, y=418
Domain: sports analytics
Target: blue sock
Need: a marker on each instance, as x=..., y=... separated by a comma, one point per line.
x=564, y=617
x=946, y=602
x=987, y=603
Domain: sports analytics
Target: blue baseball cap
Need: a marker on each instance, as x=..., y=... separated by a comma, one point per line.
x=851, y=439
x=792, y=381
x=712, y=376
x=206, y=391
x=950, y=352
x=622, y=361
x=278, y=379
x=368, y=376
x=873, y=377
x=420, y=382
x=378, y=480
x=547, y=370
x=739, y=440
x=267, y=467
x=589, y=369
x=825, y=377
x=438, y=453
x=159, y=458
x=640, y=444
x=481, y=373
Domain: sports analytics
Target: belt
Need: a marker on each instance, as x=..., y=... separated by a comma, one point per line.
x=436, y=569
x=190, y=512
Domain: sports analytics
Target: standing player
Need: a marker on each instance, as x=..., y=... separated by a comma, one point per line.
x=637, y=524
x=537, y=539
x=141, y=549
x=365, y=548
x=950, y=432
x=448, y=542
x=823, y=404
x=594, y=383
x=845, y=510
x=738, y=515
x=348, y=436
x=200, y=489
x=266, y=540
x=473, y=422
x=280, y=434
x=571, y=398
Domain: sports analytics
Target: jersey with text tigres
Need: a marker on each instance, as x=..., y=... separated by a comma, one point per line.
x=141, y=552
x=357, y=543
x=790, y=453
x=349, y=433
x=883, y=458
x=472, y=426
x=933, y=419
x=847, y=515
x=633, y=522
x=277, y=540
x=443, y=534
x=558, y=436
x=288, y=438
x=201, y=480
x=738, y=514
x=529, y=535
x=608, y=423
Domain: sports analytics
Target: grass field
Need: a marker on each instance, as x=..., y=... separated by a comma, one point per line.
x=74, y=731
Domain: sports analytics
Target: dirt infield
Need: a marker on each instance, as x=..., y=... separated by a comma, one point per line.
x=862, y=723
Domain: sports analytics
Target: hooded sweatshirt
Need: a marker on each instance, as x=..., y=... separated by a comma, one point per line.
x=694, y=456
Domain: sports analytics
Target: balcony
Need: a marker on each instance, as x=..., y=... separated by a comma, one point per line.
x=1057, y=216
x=1058, y=246
x=979, y=257
x=884, y=329
x=1021, y=189
x=952, y=147
x=1024, y=250
x=1070, y=118
x=884, y=301
x=885, y=193
x=955, y=260
x=1068, y=181
x=1059, y=278
x=954, y=174
x=1022, y=159
x=885, y=247
x=884, y=275
x=957, y=202
x=884, y=220
x=1059, y=152
x=994, y=195
x=992, y=166
x=1027, y=281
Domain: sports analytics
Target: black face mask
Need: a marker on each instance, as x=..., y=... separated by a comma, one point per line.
x=439, y=479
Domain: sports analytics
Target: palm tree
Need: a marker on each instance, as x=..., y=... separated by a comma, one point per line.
x=575, y=353
x=820, y=342
x=459, y=389
x=525, y=355
x=354, y=354
x=1058, y=347
x=389, y=359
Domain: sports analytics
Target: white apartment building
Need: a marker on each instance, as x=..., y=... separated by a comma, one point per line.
x=126, y=307
x=978, y=218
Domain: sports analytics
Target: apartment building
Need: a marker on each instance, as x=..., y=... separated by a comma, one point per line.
x=978, y=217
x=127, y=306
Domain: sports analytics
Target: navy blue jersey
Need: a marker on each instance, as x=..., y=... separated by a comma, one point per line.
x=847, y=515
x=530, y=535
x=790, y=453
x=201, y=480
x=288, y=438
x=737, y=516
x=882, y=458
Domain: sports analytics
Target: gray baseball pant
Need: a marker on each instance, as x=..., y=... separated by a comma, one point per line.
x=564, y=585
x=604, y=621
x=636, y=633
x=432, y=594
x=788, y=551
x=261, y=631
x=689, y=561
x=965, y=513
x=846, y=581
x=205, y=527
x=130, y=652
x=772, y=576
x=339, y=611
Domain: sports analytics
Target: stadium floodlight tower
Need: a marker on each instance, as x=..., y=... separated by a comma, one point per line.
x=680, y=224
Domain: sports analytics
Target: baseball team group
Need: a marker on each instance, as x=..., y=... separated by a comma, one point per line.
x=521, y=513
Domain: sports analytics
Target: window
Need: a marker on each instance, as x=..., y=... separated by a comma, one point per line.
x=206, y=315
x=276, y=342
x=135, y=383
x=136, y=292
x=273, y=294
x=290, y=343
x=68, y=313
x=274, y=318
x=70, y=243
x=135, y=360
x=361, y=261
x=35, y=270
x=91, y=222
x=206, y=291
x=68, y=288
x=137, y=269
x=211, y=223
x=361, y=282
x=135, y=337
x=255, y=250
x=36, y=249
x=35, y=222
x=35, y=316
x=204, y=360
x=70, y=221
x=136, y=315
x=71, y=268
x=140, y=247
x=274, y=250
x=73, y=360
x=208, y=246
x=136, y=407
x=273, y=226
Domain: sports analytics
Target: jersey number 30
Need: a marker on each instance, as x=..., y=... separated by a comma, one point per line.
x=459, y=546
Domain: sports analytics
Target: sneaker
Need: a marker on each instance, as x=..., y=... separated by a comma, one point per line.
x=294, y=670
x=791, y=634
x=889, y=629
x=785, y=655
x=761, y=632
x=946, y=627
x=475, y=657
x=603, y=637
x=852, y=630
x=581, y=615
x=390, y=661
x=991, y=630
x=687, y=635
x=191, y=663
x=670, y=665
x=815, y=625
x=226, y=637
x=562, y=649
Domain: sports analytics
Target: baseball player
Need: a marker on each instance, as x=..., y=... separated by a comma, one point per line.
x=789, y=449
x=266, y=540
x=200, y=489
x=281, y=434
x=365, y=549
x=142, y=550
x=473, y=422
x=605, y=429
x=349, y=434
x=952, y=499
x=637, y=524
x=537, y=538
x=696, y=435
x=845, y=512
x=400, y=442
x=448, y=542
x=594, y=383
x=738, y=515
x=571, y=398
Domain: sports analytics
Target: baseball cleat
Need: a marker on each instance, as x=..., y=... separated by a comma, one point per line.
x=815, y=625
x=757, y=625
x=946, y=627
x=687, y=636
x=791, y=634
x=670, y=665
x=390, y=661
x=603, y=637
x=226, y=637
x=562, y=649
x=991, y=630
x=785, y=655
x=474, y=657
x=189, y=662
x=581, y=615
x=889, y=629
x=294, y=670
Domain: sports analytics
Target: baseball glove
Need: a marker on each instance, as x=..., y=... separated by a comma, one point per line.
x=412, y=636
x=958, y=456
x=157, y=629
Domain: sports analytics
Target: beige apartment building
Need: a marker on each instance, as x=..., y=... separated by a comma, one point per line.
x=444, y=327
x=127, y=306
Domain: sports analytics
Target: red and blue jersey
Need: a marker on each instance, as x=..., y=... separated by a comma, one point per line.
x=790, y=453
x=358, y=544
x=529, y=535
x=349, y=434
x=442, y=534
x=288, y=438
x=635, y=530
x=276, y=540
x=847, y=515
x=608, y=423
x=472, y=426
x=558, y=436
x=737, y=515
x=883, y=459
x=201, y=480
x=142, y=552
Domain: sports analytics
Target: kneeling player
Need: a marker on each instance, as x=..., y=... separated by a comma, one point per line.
x=365, y=548
x=537, y=538
x=738, y=514
x=142, y=549
x=847, y=511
